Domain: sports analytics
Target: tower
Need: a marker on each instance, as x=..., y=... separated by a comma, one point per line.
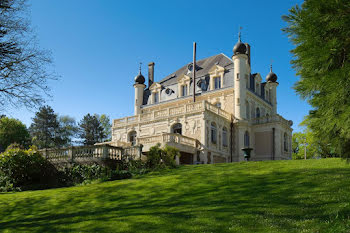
x=241, y=75
x=139, y=86
x=271, y=80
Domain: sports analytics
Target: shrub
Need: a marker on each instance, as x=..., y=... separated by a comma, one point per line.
x=25, y=169
x=162, y=157
x=77, y=174
x=120, y=175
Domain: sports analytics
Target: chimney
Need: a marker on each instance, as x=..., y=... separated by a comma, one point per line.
x=150, y=73
x=248, y=52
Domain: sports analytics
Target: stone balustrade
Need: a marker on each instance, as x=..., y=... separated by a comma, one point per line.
x=95, y=152
x=172, y=111
x=167, y=138
x=270, y=119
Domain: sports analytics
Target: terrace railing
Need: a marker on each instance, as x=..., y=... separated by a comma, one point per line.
x=172, y=111
x=96, y=152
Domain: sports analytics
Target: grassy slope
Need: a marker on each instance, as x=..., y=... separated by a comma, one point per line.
x=274, y=196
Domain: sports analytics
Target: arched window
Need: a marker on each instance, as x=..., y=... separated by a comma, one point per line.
x=132, y=137
x=218, y=104
x=285, y=142
x=246, y=139
x=224, y=136
x=177, y=128
x=213, y=134
x=257, y=112
x=247, y=110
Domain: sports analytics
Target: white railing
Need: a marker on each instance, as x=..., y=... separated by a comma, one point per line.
x=270, y=119
x=89, y=152
x=173, y=111
x=168, y=137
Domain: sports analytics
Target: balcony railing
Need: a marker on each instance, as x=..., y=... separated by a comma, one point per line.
x=172, y=111
x=95, y=152
x=168, y=137
x=270, y=119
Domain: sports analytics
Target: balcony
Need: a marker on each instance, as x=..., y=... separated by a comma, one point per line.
x=183, y=143
x=271, y=119
x=171, y=112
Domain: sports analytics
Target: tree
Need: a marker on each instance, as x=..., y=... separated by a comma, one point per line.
x=24, y=68
x=68, y=130
x=91, y=130
x=45, y=129
x=321, y=33
x=107, y=126
x=13, y=131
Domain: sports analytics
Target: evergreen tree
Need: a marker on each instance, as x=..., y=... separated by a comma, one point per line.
x=91, y=130
x=320, y=30
x=13, y=131
x=45, y=129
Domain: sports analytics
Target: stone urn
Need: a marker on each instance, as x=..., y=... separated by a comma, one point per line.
x=247, y=151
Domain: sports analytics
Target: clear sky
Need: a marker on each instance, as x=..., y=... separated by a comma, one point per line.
x=97, y=45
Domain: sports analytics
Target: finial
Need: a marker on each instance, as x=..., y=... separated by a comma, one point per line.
x=140, y=67
x=271, y=65
x=239, y=34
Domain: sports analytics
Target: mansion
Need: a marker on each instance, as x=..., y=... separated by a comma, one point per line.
x=233, y=109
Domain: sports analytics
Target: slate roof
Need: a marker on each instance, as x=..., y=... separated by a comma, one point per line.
x=204, y=66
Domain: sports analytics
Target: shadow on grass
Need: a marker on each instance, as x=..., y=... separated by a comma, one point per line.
x=192, y=199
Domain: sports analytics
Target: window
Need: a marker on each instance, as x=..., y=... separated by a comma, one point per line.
x=218, y=104
x=224, y=137
x=285, y=144
x=156, y=97
x=246, y=139
x=247, y=110
x=217, y=83
x=213, y=133
x=184, y=90
x=257, y=88
x=132, y=138
x=177, y=128
x=237, y=77
x=257, y=112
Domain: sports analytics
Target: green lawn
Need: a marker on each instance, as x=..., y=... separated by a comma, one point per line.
x=273, y=196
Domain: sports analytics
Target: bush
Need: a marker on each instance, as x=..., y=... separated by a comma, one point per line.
x=25, y=169
x=120, y=175
x=162, y=157
x=77, y=174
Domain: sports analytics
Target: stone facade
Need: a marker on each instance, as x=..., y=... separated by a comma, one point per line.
x=233, y=110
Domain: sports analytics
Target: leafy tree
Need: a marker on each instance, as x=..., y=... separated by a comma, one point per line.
x=23, y=66
x=45, y=129
x=91, y=130
x=13, y=131
x=68, y=130
x=107, y=126
x=320, y=31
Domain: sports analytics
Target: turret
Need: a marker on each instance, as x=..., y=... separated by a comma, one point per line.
x=241, y=75
x=139, y=89
x=272, y=83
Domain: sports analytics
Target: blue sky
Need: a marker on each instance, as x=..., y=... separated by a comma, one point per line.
x=97, y=45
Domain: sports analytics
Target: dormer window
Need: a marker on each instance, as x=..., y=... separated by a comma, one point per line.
x=155, y=90
x=184, y=90
x=216, y=77
x=217, y=82
x=156, y=98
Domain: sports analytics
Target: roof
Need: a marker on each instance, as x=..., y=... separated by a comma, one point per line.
x=204, y=66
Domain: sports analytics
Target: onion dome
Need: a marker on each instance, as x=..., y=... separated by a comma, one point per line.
x=139, y=79
x=240, y=48
x=271, y=77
